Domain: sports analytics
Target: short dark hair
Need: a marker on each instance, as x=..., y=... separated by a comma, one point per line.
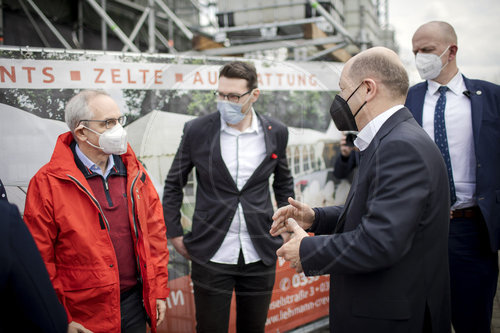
x=391, y=74
x=240, y=70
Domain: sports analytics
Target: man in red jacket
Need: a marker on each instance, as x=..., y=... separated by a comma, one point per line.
x=98, y=223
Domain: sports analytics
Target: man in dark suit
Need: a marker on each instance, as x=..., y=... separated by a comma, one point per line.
x=472, y=129
x=234, y=151
x=386, y=249
x=29, y=302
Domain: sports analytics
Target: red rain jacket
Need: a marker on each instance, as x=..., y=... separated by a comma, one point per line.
x=71, y=232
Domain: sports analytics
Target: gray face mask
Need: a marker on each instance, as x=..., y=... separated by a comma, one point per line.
x=112, y=141
x=230, y=112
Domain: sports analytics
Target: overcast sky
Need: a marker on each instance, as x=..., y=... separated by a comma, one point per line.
x=477, y=24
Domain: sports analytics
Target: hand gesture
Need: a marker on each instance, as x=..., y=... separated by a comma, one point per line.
x=290, y=251
x=300, y=212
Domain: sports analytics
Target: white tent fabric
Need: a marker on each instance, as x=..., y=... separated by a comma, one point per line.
x=26, y=144
x=155, y=139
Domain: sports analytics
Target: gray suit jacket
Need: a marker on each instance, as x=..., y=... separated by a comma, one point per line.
x=388, y=258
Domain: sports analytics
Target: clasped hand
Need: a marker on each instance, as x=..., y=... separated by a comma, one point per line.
x=290, y=222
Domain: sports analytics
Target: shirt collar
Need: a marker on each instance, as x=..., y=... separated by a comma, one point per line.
x=366, y=135
x=91, y=165
x=254, y=126
x=456, y=85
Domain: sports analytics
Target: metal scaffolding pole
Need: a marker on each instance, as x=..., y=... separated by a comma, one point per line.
x=1, y=22
x=325, y=52
x=39, y=32
x=152, y=27
x=331, y=20
x=165, y=42
x=104, y=29
x=113, y=25
x=137, y=27
x=80, y=23
x=49, y=24
x=289, y=44
x=176, y=20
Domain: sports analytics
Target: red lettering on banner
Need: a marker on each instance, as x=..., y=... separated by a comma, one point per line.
x=158, y=77
x=259, y=79
x=279, y=75
x=28, y=71
x=290, y=79
x=268, y=76
x=115, y=75
x=100, y=71
x=143, y=71
x=312, y=80
x=197, y=78
x=301, y=78
x=214, y=80
x=11, y=75
x=179, y=77
x=129, y=79
x=50, y=77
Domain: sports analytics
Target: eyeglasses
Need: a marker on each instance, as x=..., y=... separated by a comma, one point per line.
x=110, y=123
x=234, y=98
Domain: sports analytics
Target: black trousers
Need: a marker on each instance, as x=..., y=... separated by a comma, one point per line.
x=213, y=288
x=473, y=275
x=133, y=314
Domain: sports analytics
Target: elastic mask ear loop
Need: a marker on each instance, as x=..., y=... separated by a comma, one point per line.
x=90, y=143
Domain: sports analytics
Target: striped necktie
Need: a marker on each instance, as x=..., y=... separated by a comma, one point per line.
x=441, y=138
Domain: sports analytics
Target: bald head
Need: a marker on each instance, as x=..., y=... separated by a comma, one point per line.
x=438, y=30
x=382, y=65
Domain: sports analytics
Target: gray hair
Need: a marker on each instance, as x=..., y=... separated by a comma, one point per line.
x=78, y=108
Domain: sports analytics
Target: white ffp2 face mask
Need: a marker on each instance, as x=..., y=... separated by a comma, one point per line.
x=112, y=141
x=429, y=64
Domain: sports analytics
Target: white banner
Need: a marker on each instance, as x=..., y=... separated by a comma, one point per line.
x=68, y=74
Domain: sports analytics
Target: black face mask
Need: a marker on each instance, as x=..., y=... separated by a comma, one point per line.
x=342, y=115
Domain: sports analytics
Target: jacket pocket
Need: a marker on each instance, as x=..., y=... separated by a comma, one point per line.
x=381, y=309
x=76, y=278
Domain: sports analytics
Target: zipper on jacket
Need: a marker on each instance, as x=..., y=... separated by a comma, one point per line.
x=134, y=223
x=106, y=191
x=102, y=216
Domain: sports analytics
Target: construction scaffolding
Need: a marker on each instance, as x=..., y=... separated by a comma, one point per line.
x=284, y=29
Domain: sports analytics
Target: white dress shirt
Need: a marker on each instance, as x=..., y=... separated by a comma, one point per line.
x=458, y=119
x=242, y=153
x=366, y=135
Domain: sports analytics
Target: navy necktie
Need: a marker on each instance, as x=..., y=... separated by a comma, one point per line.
x=441, y=138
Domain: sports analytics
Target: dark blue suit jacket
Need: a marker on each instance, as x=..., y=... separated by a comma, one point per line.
x=29, y=302
x=217, y=195
x=485, y=106
x=389, y=263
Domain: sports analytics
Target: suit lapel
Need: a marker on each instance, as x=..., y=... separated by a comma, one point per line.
x=476, y=106
x=215, y=158
x=419, y=103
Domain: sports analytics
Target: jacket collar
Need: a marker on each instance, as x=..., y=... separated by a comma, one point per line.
x=62, y=163
x=400, y=116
